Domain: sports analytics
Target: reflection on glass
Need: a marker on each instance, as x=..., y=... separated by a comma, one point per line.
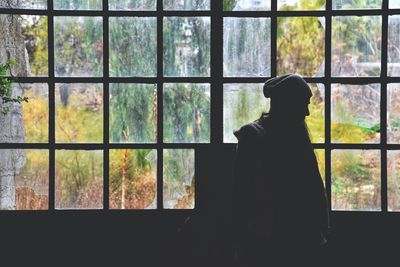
x=179, y=178
x=351, y=4
x=133, y=113
x=36, y=113
x=132, y=4
x=394, y=46
x=79, y=113
x=24, y=4
x=78, y=4
x=316, y=120
x=393, y=181
x=186, y=46
x=133, y=179
x=243, y=103
x=300, y=5
x=393, y=113
x=186, y=113
x=355, y=113
x=133, y=46
x=356, y=181
x=301, y=45
x=356, y=46
x=25, y=179
x=78, y=46
x=79, y=179
x=247, y=46
x=248, y=5
x=187, y=5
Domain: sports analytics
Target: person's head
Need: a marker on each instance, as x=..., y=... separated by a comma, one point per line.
x=290, y=96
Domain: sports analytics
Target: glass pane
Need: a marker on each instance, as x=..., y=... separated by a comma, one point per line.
x=186, y=46
x=320, y=155
x=36, y=113
x=394, y=46
x=247, y=47
x=351, y=4
x=316, y=120
x=132, y=4
x=78, y=4
x=79, y=113
x=187, y=5
x=133, y=46
x=356, y=46
x=394, y=3
x=289, y=5
x=133, y=179
x=243, y=103
x=24, y=179
x=355, y=113
x=301, y=46
x=179, y=178
x=393, y=161
x=78, y=46
x=25, y=4
x=186, y=113
x=356, y=180
x=393, y=113
x=79, y=179
x=250, y=5
x=133, y=113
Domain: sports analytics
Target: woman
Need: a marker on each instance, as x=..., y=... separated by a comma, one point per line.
x=280, y=206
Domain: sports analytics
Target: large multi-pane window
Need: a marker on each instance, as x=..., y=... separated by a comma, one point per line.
x=123, y=93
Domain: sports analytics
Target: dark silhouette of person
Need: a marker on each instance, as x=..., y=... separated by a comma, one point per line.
x=280, y=212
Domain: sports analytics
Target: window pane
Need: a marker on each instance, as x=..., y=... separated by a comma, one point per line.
x=243, y=103
x=132, y=4
x=393, y=161
x=133, y=113
x=250, y=5
x=356, y=46
x=25, y=185
x=300, y=5
x=133, y=179
x=78, y=46
x=320, y=155
x=36, y=113
x=355, y=113
x=316, y=120
x=179, y=178
x=78, y=4
x=186, y=5
x=133, y=46
x=301, y=45
x=186, y=46
x=79, y=179
x=186, y=113
x=79, y=113
x=351, y=4
x=356, y=181
x=25, y=4
x=394, y=3
x=247, y=47
x=393, y=113
x=394, y=46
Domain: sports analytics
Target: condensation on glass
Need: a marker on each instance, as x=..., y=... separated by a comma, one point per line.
x=133, y=179
x=186, y=4
x=79, y=179
x=393, y=53
x=186, y=112
x=295, y=37
x=79, y=113
x=247, y=47
x=24, y=4
x=78, y=46
x=179, y=178
x=132, y=5
x=78, y=4
x=393, y=181
x=394, y=3
x=356, y=180
x=25, y=183
x=356, y=46
x=393, y=113
x=133, y=46
x=351, y=4
x=133, y=113
x=246, y=5
x=355, y=113
x=290, y=5
x=186, y=46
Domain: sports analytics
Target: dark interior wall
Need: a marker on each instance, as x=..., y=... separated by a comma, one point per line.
x=176, y=237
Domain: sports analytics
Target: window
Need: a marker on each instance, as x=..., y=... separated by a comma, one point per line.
x=123, y=93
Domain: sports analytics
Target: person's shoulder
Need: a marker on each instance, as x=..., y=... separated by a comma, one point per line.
x=251, y=131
